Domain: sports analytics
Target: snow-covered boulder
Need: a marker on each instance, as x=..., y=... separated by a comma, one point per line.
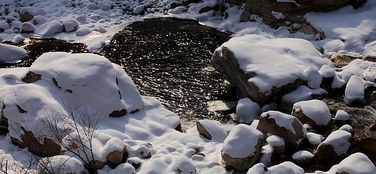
x=341, y=115
x=61, y=164
x=242, y=147
x=51, y=28
x=261, y=67
x=356, y=163
x=314, y=139
x=335, y=146
x=3, y=25
x=27, y=27
x=211, y=130
x=17, y=39
x=258, y=168
x=247, y=111
x=83, y=31
x=286, y=167
x=277, y=143
x=11, y=54
x=313, y=112
x=302, y=156
x=354, y=93
x=300, y=94
x=286, y=126
x=70, y=25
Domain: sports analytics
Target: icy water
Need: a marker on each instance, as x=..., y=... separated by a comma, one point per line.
x=170, y=59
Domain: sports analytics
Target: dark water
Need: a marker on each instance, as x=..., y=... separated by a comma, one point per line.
x=170, y=59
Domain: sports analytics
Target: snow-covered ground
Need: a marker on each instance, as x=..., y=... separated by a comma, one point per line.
x=140, y=125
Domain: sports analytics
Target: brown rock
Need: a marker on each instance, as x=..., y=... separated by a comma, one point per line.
x=116, y=157
x=25, y=16
x=95, y=165
x=269, y=124
x=31, y=77
x=211, y=130
x=45, y=149
x=334, y=147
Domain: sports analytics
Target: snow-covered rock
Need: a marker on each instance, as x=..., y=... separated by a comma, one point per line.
x=286, y=167
x=277, y=143
x=242, y=147
x=212, y=130
x=286, y=126
x=335, y=146
x=61, y=164
x=354, y=93
x=123, y=168
x=51, y=28
x=83, y=31
x=300, y=94
x=302, y=156
x=17, y=39
x=247, y=111
x=138, y=9
x=347, y=128
x=70, y=25
x=356, y=163
x=313, y=77
x=262, y=67
x=258, y=168
x=3, y=25
x=11, y=54
x=27, y=27
x=314, y=138
x=313, y=112
x=342, y=115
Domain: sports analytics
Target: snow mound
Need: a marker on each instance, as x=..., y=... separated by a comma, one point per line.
x=342, y=115
x=11, y=54
x=354, y=93
x=61, y=164
x=300, y=94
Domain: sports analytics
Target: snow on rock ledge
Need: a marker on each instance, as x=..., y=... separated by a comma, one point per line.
x=262, y=67
x=242, y=147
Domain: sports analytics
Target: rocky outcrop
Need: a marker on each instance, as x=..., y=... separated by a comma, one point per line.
x=286, y=126
x=242, y=147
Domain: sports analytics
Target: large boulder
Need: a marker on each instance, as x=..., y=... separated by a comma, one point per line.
x=355, y=163
x=262, y=68
x=286, y=126
x=312, y=112
x=242, y=147
x=335, y=146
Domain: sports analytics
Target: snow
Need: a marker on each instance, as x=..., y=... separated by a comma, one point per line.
x=70, y=25
x=355, y=163
x=302, y=155
x=354, y=90
x=300, y=94
x=247, y=111
x=241, y=141
x=314, y=138
x=123, y=168
x=327, y=71
x=83, y=32
x=281, y=119
x=340, y=140
x=278, y=15
x=49, y=29
x=11, y=54
x=316, y=110
x=266, y=154
x=286, y=167
x=275, y=141
x=258, y=168
x=276, y=62
x=342, y=115
x=357, y=30
x=61, y=164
